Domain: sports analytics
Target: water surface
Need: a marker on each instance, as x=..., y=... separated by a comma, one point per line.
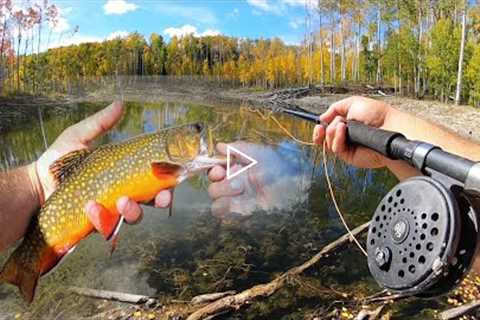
x=193, y=252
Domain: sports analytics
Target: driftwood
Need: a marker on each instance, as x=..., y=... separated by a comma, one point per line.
x=209, y=297
x=234, y=302
x=459, y=311
x=113, y=295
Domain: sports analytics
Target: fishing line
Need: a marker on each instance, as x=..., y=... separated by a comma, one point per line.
x=270, y=116
x=332, y=195
x=45, y=143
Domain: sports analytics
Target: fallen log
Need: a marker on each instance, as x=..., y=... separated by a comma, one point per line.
x=236, y=301
x=113, y=295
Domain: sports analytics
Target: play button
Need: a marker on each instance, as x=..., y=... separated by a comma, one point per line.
x=231, y=152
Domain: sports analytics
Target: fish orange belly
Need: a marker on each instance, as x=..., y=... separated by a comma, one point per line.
x=142, y=189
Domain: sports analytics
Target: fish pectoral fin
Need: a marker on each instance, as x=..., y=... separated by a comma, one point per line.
x=104, y=221
x=62, y=167
x=165, y=169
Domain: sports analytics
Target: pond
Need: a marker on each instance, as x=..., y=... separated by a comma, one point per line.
x=193, y=252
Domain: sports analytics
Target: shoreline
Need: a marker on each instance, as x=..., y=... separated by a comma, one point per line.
x=461, y=119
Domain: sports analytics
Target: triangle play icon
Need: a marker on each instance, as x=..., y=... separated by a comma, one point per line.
x=231, y=150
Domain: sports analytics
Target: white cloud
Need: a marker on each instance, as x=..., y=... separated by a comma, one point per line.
x=280, y=7
x=290, y=40
x=117, y=34
x=261, y=4
x=209, y=32
x=118, y=7
x=189, y=29
x=71, y=40
x=60, y=26
x=180, y=32
x=191, y=13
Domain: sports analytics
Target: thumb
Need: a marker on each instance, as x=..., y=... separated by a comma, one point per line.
x=97, y=124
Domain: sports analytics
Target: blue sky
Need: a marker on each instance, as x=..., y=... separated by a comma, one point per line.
x=101, y=19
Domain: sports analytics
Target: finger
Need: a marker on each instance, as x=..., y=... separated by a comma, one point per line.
x=96, y=125
x=226, y=188
x=217, y=173
x=330, y=133
x=222, y=148
x=339, y=145
x=94, y=210
x=339, y=108
x=130, y=210
x=163, y=199
x=318, y=134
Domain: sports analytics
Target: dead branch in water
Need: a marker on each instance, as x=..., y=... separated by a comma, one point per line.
x=234, y=302
x=113, y=295
x=209, y=297
x=459, y=311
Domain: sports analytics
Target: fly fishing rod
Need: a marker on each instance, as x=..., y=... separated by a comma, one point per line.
x=424, y=234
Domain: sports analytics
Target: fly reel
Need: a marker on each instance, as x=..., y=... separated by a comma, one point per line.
x=423, y=238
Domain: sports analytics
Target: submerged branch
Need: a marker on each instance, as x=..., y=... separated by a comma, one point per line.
x=459, y=311
x=113, y=295
x=234, y=302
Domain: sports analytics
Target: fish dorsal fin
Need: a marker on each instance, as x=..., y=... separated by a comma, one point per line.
x=62, y=167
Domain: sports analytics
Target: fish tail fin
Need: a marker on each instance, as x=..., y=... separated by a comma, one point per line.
x=24, y=277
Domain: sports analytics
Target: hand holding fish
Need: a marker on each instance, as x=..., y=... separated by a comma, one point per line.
x=69, y=176
x=79, y=137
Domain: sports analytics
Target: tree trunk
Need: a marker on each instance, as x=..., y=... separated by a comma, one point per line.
x=379, y=43
x=460, y=58
x=332, y=49
x=322, y=72
x=358, y=49
x=342, y=51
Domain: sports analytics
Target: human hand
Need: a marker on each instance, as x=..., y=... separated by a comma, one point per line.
x=269, y=184
x=368, y=111
x=80, y=136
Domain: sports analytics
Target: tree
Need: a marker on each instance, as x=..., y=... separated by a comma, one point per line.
x=460, y=57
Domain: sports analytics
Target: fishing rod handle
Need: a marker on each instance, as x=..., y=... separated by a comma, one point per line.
x=370, y=137
x=421, y=155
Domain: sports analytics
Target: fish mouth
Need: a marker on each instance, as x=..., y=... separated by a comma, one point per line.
x=205, y=160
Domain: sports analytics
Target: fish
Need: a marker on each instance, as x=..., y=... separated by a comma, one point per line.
x=139, y=168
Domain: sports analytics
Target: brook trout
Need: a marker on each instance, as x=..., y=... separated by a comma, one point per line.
x=138, y=168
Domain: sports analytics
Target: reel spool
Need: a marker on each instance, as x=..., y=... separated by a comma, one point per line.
x=423, y=238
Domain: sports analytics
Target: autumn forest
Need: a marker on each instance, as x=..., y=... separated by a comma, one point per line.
x=422, y=48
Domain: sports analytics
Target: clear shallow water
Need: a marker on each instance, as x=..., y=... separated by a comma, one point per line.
x=193, y=252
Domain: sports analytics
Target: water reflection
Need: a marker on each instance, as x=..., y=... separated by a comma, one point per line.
x=192, y=252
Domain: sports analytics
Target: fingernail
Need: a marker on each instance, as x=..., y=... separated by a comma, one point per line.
x=90, y=205
x=122, y=204
x=316, y=134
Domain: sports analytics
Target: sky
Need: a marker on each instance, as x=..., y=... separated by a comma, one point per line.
x=102, y=19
